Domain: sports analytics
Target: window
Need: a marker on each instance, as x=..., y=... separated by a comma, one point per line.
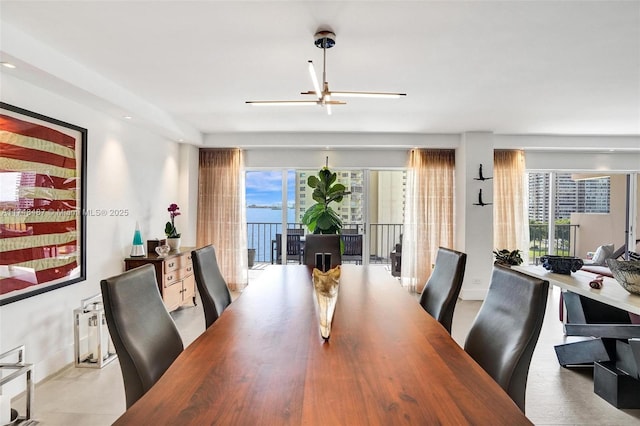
x=575, y=200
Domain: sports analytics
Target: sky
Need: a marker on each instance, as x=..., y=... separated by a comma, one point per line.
x=265, y=187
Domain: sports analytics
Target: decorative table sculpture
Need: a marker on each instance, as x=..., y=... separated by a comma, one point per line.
x=561, y=264
x=326, y=286
x=627, y=273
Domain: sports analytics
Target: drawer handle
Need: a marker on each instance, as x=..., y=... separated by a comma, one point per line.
x=171, y=265
x=189, y=269
x=169, y=278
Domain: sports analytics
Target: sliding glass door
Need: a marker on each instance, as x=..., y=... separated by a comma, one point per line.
x=386, y=204
x=278, y=199
x=572, y=214
x=270, y=208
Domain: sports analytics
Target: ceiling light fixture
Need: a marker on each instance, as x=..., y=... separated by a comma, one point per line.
x=325, y=40
x=7, y=65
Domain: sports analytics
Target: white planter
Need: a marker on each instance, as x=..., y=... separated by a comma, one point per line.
x=174, y=243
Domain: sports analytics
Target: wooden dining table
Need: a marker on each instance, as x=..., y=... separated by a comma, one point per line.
x=264, y=362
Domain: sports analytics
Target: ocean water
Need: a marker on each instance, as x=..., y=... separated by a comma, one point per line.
x=258, y=215
x=262, y=226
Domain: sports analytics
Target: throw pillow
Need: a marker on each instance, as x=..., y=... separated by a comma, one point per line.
x=603, y=253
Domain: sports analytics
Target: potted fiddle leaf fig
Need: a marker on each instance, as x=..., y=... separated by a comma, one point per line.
x=321, y=218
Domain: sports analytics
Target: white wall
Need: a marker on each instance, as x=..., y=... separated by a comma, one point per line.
x=188, y=194
x=319, y=141
x=474, y=224
x=127, y=168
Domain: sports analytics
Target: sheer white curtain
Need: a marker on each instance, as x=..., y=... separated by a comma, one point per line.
x=510, y=202
x=429, y=213
x=221, y=212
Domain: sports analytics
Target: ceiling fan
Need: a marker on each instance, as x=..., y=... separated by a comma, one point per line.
x=324, y=40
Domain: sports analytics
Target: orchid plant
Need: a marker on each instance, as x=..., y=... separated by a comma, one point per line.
x=170, y=228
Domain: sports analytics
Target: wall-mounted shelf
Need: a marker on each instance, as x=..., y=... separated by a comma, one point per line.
x=480, y=202
x=481, y=176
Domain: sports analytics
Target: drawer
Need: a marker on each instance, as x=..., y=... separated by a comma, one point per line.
x=177, y=262
x=177, y=275
x=188, y=270
x=172, y=264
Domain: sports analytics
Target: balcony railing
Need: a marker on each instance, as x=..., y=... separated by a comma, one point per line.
x=563, y=243
x=382, y=238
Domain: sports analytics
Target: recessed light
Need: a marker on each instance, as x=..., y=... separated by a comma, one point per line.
x=127, y=117
x=7, y=65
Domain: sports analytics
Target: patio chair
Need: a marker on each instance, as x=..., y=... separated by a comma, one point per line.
x=294, y=247
x=352, y=248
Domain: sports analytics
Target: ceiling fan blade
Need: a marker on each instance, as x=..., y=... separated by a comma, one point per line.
x=314, y=80
x=390, y=95
x=325, y=39
x=327, y=101
x=282, y=103
x=327, y=98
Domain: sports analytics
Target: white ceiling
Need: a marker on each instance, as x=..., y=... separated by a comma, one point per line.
x=512, y=67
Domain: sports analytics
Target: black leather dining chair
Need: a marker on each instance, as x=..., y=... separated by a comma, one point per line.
x=322, y=243
x=144, y=334
x=505, y=332
x=441, y=292
x=212, y=286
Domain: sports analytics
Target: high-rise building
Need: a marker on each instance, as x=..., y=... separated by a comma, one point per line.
x=571, y=196
x=539, y=197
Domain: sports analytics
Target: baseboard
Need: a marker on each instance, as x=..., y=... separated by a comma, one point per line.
x=479, y=294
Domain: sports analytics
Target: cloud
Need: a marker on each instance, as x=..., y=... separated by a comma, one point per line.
x=265, y=187
x=264, y=181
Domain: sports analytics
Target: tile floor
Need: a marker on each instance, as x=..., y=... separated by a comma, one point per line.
x=555, y=395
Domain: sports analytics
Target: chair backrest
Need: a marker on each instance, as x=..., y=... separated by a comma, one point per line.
x=352, y=248
x=441, y=292
x=144, y=334
x=295, y=231
x=505, y=332
x=278, y=247
x=322, y=243
x=352, y=244
x=293, y=245
x=212, y=286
